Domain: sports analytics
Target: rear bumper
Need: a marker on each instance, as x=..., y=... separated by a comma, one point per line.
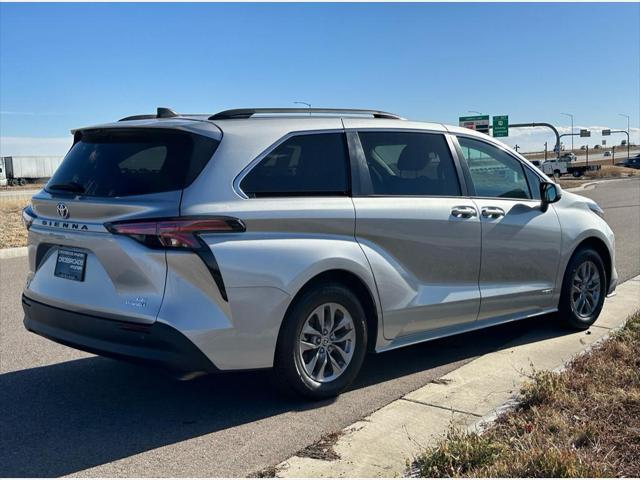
x=157, y=344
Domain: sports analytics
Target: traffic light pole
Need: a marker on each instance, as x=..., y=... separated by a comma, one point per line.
x=532, y=125
x=627, y=134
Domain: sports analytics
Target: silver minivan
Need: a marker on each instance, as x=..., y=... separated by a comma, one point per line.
x=300, y=239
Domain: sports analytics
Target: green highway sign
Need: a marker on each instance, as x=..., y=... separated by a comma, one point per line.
x=501, y=126
x=480, y=123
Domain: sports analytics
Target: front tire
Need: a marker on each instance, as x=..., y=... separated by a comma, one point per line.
x=583, y=290
x=322, y=343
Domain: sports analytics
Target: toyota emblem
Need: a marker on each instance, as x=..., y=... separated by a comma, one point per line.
x=63, y=210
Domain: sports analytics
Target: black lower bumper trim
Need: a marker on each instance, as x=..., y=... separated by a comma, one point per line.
x=157, y=344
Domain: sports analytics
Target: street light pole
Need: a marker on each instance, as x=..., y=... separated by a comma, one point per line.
x=305, y=103
x=570, y=115
x=628, y=132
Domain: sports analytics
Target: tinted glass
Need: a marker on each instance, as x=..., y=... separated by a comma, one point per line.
x=118, y=163
x=314, y=164
x=534, y=183
x=404, y=163
x=494, y=173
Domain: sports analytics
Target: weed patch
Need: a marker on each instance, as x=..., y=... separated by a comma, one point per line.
x=582, y=422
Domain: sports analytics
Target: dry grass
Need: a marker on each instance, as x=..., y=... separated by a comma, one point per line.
x=582, y=422
x=12, y=231
x=606, y=171
x=614, y=171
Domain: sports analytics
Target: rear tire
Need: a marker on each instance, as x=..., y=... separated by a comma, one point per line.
x=322, y=343
x=584, y=288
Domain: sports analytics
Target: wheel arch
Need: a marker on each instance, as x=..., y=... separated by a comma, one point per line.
x=352, y=282
x=602, y=249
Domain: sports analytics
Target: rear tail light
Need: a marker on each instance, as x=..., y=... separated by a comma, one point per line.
x=182, y=232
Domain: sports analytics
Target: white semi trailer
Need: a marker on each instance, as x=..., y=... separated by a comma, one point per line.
x=20, y=170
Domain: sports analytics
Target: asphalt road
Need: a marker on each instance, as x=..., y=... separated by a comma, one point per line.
x=620, y=200
x=64, y=412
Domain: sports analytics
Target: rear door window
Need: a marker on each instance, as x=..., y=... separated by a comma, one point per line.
x=120, y=163
x=303, y=165
x=410, y=163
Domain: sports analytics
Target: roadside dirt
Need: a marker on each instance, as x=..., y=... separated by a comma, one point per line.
x=12, y=231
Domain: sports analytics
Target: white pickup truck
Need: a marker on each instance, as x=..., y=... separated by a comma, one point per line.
x=556, y=168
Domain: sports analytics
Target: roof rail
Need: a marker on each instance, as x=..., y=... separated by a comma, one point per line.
x=162, y=112
x=249, y=112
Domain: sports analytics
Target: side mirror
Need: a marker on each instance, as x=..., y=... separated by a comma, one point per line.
x=549, y=193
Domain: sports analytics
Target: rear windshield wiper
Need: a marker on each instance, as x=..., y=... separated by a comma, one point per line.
x=67, y=187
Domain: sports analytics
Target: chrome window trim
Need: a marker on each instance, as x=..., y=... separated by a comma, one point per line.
x=245, y=171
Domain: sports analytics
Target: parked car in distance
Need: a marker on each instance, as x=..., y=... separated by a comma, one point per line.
x=632, y=162
x=300, y=239
x=607, y=153
x=569, y=157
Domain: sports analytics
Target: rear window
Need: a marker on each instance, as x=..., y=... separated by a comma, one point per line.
x=120, y=163
x=310, y=165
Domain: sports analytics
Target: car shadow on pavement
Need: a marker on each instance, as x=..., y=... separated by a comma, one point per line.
x=64, y=418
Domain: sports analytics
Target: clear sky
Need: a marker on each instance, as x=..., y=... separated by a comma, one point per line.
x=69, y=65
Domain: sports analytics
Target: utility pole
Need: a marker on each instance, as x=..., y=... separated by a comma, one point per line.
x=587, y=153
x=545, y=151
x=570, y=115
x=517, y=147
x=628, y=132
x=613, y=155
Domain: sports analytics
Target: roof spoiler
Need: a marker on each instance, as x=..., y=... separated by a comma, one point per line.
x=239, y=113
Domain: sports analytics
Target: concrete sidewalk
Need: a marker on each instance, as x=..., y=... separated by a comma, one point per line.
x=13, y=252
x=380, y=444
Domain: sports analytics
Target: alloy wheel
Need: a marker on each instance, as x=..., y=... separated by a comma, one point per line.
x=586, y=288
x=326, y=342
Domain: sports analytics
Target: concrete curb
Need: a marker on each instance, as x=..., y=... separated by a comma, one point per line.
x=588, y=185
x=470, y=397
x=12, y=252
x=582, y=187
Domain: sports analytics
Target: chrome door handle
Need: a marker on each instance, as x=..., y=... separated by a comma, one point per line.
x=492, y=212
x=463, y=212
